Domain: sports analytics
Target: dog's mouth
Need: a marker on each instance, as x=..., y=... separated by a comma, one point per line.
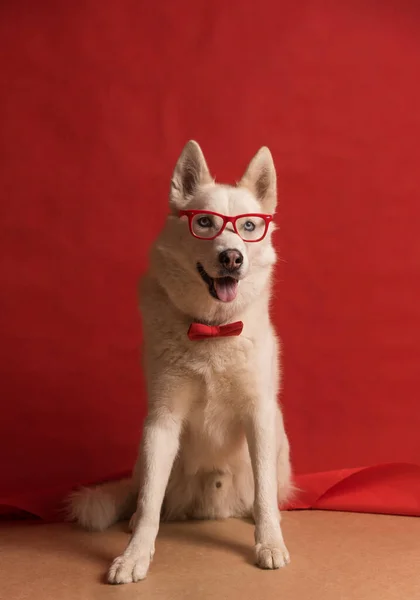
x=224, y=289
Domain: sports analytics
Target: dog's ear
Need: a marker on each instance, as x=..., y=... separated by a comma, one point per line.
x=190, y=171
x=260, y=179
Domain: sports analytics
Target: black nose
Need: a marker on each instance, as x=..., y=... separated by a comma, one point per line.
x=231, y=259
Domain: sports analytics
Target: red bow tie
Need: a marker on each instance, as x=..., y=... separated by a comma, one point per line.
x=198, y=331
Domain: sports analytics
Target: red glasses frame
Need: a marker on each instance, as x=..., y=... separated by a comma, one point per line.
x=192, y=213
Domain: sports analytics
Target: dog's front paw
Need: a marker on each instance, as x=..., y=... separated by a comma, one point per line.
x=272, y=556
x=129, y=569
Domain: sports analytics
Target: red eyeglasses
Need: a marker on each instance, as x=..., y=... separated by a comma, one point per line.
x=207, y=225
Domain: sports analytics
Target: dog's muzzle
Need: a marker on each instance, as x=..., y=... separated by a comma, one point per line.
x=224, y=289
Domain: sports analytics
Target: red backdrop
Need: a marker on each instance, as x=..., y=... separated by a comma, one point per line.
x=97, y=101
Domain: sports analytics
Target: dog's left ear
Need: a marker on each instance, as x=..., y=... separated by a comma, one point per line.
x=260, y=179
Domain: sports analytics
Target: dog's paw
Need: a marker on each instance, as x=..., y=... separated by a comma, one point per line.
x=272, y=556
x=129, y=569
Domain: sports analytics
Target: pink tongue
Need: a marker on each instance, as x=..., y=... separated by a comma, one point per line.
x=226, y=288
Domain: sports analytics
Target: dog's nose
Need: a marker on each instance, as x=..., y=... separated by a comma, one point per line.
x=231, y=259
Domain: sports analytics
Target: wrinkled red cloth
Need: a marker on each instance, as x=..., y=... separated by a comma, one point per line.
x=97, y=102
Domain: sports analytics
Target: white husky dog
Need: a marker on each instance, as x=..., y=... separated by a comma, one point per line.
x=213, y=444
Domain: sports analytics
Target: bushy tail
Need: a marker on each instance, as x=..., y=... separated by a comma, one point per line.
x=100, y=507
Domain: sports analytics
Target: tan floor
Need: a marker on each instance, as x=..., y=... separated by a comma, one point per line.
x=335, y=556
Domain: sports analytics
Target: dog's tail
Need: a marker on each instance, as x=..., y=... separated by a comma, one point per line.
x=100, y=507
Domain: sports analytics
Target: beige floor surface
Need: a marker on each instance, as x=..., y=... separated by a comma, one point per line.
x=335, y=556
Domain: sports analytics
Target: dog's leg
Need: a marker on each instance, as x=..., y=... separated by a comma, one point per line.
x=157, y=453
x=271, y=551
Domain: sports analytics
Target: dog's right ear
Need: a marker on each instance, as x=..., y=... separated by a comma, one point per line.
x=190, y=172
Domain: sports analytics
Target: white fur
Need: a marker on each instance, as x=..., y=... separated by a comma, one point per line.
x=214, y=426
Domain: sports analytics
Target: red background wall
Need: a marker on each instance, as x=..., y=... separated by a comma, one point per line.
x=97, y=101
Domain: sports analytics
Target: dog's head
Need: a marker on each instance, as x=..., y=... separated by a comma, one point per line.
x=215, y=256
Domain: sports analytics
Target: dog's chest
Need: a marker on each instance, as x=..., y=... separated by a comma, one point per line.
x=225, y=372
x=219, y=358
x=215, y=418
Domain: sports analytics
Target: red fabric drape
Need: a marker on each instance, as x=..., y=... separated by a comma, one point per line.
x=97, y=101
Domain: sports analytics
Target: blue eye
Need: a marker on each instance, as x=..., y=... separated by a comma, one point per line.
x=204, y=222
x=249, y=226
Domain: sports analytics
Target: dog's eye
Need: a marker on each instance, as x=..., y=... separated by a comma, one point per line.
x=204, y=222
x=249, y=226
